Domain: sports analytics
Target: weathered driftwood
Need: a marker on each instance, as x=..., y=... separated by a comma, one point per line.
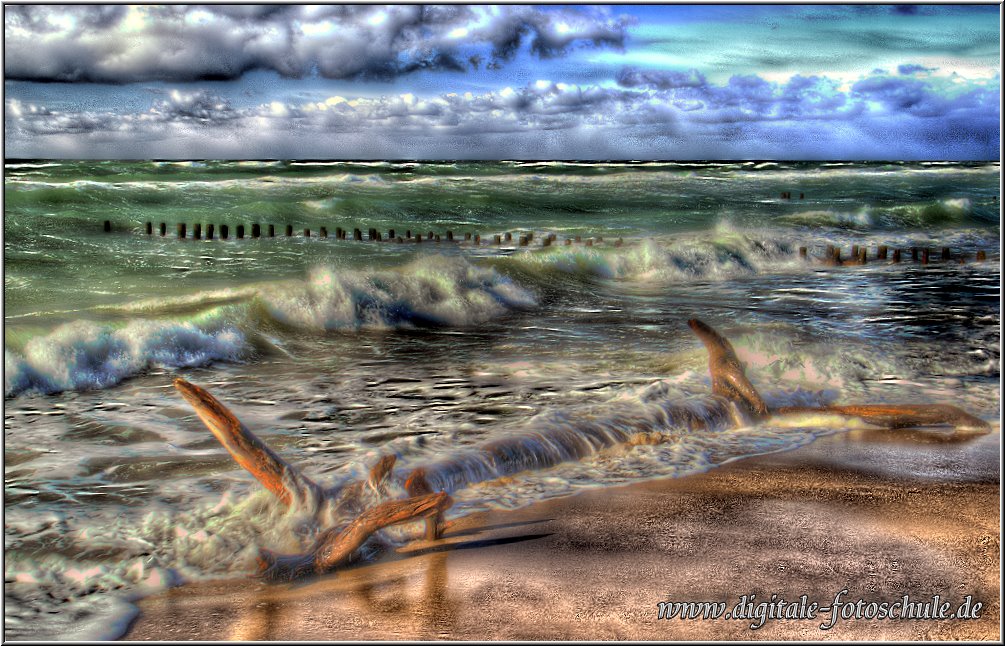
x=897, y=415
x=333, y=547
x=728, y=378
x=730, y=381
x=352, y=498
x=278, y=476
x=380, y=473
x=416, y=484
x=337, y=547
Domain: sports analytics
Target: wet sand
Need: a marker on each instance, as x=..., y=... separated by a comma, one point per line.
x=883, y=514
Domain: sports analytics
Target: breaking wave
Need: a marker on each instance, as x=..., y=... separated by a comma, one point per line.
x=956, y=211
x=726, y=255
x=86, y=356
x=222, y=325
x=432, y=291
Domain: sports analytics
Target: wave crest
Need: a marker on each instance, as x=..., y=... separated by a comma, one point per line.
x=432, y=291
x=85, y=356
x=727, y=255
x=941, y=212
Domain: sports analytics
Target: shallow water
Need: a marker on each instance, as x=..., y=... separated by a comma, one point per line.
x=337, y=352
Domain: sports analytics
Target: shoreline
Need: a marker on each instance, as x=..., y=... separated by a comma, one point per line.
x=882, y=513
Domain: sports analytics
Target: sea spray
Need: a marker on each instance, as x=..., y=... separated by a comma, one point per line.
x=728, y=254
x=431, y=291
x=864, y=217
x=85, y=356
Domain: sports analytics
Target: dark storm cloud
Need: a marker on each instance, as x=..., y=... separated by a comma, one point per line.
x=117, y=44
x=660, y=79
x=911, y=68
x=744, y=97
x=914, y=97
x=200, y=106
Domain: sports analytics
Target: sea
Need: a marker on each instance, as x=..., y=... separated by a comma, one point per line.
x=339, y=351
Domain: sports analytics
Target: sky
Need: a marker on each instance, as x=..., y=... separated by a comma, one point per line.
x=670, y=81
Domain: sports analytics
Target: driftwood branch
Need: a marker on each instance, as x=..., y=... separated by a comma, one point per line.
x=380, y=473
x=898, y=416
x=278, y=476
x=729, y=380
x=416, y=484
x=337, y=547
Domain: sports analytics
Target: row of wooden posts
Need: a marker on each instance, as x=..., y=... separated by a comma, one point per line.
x=860, y=255
x=210, y=232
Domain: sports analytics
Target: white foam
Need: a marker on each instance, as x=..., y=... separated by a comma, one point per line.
x=727, y=255
x=434, y=290
x=83, y=355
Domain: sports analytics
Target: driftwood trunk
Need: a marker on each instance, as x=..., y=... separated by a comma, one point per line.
x=730, y=381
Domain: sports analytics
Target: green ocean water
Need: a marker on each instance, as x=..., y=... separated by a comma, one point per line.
x=56, y=256
x=337, y=351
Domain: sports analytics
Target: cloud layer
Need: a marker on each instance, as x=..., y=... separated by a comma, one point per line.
x=455, y=81
x=647, y=114
x=120, y=44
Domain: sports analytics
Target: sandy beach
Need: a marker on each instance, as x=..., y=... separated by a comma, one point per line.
x=882, y=514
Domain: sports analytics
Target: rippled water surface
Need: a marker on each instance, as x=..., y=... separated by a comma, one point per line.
x=336, y=352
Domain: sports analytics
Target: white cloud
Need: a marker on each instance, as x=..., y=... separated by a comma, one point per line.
x=885, y=116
